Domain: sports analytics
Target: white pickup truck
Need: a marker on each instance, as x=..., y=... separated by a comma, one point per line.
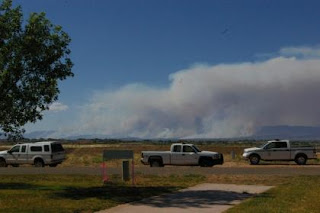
x=181, y=154
x=279, y=150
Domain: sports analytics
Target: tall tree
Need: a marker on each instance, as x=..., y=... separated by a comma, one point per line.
x=34, y=57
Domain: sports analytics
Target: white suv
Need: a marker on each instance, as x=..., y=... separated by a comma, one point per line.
x=39, y=154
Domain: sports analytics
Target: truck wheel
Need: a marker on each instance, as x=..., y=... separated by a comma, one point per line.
x=254, y=159
x=155, y=163
x=205, y=162
x=301, y=159
x=3, y=163
x=38, y=163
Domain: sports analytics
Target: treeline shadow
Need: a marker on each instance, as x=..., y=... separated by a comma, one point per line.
x=17, y=186
x=118, y=193
x=179, y=199
x=198, y=199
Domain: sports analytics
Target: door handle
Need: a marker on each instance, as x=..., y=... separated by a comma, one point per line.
x=183, y=154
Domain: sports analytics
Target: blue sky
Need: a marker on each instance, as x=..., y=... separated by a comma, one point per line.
x=120, y=43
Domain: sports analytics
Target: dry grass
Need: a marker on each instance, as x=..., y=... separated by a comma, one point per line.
x=91, y=155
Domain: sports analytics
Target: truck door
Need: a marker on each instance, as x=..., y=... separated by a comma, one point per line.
x=13, y=155
x=277, y=151
x=184, y=155
x=189, y=155
x=176, y=155
x=23, y=155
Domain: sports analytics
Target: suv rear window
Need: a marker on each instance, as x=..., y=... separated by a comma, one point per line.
x=46, y=148
x=56, y=147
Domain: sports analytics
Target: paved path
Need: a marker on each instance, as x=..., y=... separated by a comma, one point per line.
x=202, y=198
x=285, y=170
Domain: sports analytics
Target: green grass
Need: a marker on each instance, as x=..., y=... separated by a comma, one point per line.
x=298, y=194
x=85, y=193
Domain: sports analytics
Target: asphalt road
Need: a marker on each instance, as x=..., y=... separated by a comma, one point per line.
x=282, y=170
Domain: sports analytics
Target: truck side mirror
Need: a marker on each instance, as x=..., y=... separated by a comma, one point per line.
x=10, y=152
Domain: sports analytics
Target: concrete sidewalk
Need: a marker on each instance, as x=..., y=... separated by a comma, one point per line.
x=201, y=198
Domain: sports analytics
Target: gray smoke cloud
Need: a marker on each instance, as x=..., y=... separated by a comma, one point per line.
x=227, y=100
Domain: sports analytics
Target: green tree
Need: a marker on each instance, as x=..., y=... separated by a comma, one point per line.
x=34, y=57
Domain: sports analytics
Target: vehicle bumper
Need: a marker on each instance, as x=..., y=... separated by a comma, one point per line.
x=219, y=161
x=245, y=156
x=143, y=162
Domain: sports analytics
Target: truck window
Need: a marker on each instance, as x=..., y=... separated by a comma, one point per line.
x=177, y=148
x=187, y=149
x=36, y=149
x=46, y=148
x=281, y=145
x=271, y=145
x=23, y=148
x=15, y=149
x=56, y=147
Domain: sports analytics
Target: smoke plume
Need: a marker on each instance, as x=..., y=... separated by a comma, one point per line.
x=226, y=100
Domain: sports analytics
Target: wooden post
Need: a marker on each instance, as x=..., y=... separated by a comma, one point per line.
x=233, y=155
x=125, y=170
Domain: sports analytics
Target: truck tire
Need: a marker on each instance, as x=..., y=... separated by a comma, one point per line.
x=155, y=163
x=205, y=162
x=254, y=159
x=301, y=159
x=3, y=163
x=38, y=163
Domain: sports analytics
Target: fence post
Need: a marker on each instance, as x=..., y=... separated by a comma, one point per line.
x=125, y=170
x=233, y=155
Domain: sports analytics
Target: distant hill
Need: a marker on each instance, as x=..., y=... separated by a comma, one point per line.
x=265, y=132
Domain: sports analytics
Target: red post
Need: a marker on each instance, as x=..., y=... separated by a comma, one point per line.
x=104, y=172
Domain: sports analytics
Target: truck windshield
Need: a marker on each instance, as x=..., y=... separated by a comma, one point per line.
x=262, y=146
x=196, y=148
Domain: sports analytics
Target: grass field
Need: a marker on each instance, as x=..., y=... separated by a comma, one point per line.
x=299, y=194
x=70, y=193
x=86, y=193
x=62, y=193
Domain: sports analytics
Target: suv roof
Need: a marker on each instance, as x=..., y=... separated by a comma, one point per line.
x=189, y=144
x=277, y=140
x=40, y=143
